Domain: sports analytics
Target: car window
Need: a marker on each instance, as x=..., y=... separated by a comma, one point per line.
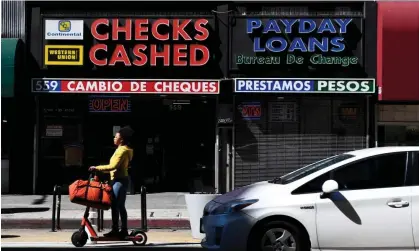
x=313, y=186
x=312, y=168
x=413, y=174
x=382, y=171
x=377, y=172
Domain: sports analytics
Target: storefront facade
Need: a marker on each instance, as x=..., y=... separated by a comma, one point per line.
x=104, y=69
x=304, y=87
x=193, y=84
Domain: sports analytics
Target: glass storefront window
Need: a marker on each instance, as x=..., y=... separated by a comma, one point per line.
x=398, y=125
x=398, y=135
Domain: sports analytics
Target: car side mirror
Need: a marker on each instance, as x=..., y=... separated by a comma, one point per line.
x=329, y=186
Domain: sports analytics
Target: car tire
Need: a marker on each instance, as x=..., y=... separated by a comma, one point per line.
x=258, y=238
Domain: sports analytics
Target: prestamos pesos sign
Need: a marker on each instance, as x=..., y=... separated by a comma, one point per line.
x=139, y=86
x=304, y=85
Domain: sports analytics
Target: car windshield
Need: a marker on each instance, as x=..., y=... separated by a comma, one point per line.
x=316, y=166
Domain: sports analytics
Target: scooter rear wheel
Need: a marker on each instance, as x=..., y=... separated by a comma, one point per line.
x=79, y=239
x=139, y=233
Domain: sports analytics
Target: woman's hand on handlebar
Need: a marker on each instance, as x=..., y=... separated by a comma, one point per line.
x=92, y=169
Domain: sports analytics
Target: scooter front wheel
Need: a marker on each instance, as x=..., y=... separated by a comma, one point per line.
x=79, y=239
x=141, y=235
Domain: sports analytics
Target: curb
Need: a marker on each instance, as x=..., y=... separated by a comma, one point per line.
x=172, y=223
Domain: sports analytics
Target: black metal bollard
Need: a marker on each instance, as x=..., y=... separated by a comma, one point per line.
x=99, y=222
x=101, y=219
x=144, y=208
x=54, y=205
x=59, y=208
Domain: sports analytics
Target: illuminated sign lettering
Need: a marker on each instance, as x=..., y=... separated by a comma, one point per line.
x=143, y=30
x=109, y=104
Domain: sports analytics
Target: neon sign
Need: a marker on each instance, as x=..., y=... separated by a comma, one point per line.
x=109, y=104
x=251, y=110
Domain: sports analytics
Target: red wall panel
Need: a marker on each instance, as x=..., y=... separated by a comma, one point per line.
x=398, y=51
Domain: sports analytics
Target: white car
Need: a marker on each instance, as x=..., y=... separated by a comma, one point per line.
x=361, y=200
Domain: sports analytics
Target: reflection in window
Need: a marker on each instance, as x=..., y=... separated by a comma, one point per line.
x=312, y=168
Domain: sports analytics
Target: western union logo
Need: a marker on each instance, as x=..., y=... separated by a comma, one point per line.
x=63, y=54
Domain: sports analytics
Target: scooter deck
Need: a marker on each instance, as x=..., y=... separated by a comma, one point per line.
x=128, y=238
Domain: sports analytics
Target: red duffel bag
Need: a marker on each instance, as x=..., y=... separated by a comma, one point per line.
x=91, y=193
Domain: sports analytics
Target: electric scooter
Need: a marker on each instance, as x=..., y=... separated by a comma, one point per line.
x=80, y=237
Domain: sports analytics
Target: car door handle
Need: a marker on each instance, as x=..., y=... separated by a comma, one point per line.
x=398, y=204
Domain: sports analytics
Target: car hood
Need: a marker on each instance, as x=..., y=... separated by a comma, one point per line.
x=252, y=191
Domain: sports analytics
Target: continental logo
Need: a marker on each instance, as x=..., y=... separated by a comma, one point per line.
x=64, y=55
x=64, y=29
x=64, y=26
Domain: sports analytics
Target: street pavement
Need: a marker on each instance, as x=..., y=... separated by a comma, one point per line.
x=67, y=247
x=164, y=210
x=12, y=239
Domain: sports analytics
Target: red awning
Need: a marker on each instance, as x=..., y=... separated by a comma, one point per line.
x=398, y=51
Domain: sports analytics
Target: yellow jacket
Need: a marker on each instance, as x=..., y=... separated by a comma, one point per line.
x=119, y=163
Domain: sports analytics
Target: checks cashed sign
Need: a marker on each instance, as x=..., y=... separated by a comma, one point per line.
x=304, y=85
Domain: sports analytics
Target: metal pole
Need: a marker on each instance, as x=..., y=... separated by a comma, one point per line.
x=59, y=208
x=368, y=117
x=54, y=204
x=216, y=161
x=101, y=218
x=35, y=146
x=143, y=208
x=98, y=220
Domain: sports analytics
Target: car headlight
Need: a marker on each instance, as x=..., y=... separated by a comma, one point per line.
x=232, y=206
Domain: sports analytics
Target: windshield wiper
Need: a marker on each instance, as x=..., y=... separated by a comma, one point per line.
x=276, y=180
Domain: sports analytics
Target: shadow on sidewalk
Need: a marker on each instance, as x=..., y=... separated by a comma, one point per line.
x=172, y=244
x=6, y=236
x=40, y=200
x=23, y=210
x=169, y=245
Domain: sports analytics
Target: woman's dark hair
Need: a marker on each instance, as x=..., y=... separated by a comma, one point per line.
x=126, y=133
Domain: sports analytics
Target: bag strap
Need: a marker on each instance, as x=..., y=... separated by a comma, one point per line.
x=88, y=184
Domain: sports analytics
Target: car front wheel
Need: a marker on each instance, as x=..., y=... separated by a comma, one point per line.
x=278, y=236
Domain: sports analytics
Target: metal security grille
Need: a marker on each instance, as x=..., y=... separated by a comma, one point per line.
x=12, y=19
x=289, y=133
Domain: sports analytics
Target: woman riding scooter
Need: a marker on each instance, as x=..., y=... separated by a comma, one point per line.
x=118, y=169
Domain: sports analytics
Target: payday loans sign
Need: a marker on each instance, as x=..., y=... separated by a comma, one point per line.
x=286, y=37
x=304, y=85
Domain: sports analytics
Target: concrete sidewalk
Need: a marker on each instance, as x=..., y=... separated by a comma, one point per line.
x=30, y=235
x=164, y=210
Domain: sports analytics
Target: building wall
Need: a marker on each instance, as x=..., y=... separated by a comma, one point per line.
x=397, y=74
x=398, y=51
x=12, y=26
